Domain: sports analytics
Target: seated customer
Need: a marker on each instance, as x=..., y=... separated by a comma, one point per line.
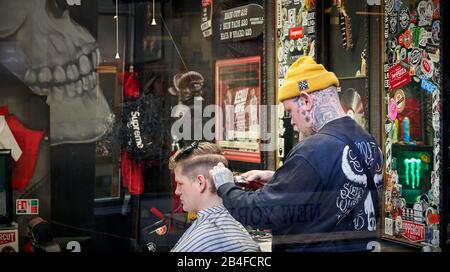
x=214, y=230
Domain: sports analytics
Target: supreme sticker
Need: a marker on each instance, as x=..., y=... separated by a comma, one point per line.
x=296, y=32
x=398, y=76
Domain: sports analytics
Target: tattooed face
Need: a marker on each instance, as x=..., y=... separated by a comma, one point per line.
x=300, y=117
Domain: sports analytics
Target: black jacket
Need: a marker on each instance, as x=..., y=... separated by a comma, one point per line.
x=314, y=202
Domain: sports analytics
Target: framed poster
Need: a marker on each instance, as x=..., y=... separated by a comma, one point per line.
x=148, y=36
x=238, y=100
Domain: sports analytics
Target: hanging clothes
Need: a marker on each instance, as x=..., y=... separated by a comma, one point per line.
x=29, y=141
x=132, y=174
x=131, y=85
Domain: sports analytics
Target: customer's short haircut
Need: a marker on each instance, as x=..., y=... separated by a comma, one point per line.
x=200, y=148
x=201, y=158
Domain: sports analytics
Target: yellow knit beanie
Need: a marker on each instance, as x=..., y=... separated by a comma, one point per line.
x=305, y=75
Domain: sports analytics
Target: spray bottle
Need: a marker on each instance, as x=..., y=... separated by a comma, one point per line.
x=406, y=130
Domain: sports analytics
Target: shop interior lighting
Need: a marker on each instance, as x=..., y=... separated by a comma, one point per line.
x=153, y=14
x=116, y=18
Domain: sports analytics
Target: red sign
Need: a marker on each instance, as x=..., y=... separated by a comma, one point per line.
x=296, y=32
x=7, y=237
x=413, y=231
x=398, y=76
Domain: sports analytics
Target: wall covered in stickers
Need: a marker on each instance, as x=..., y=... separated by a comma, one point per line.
x=413, y=137
x=295, y=36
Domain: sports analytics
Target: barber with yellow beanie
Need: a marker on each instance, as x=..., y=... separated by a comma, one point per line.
x=325, y=196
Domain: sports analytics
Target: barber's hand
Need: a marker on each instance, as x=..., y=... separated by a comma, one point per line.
x=221, y=175
x=259, y=176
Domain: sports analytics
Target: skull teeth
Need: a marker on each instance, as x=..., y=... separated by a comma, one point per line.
x=30, y=76
x=71, y=89
x=85, y=65
x=75, y=71
x=85, y=82
x=59, y=75
x=69, y=80
x=45, y=75
x=79, y=86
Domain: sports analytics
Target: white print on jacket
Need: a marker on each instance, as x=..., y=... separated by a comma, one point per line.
x=352, y=191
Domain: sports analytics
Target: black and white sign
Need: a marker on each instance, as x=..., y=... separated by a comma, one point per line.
x=242, y=23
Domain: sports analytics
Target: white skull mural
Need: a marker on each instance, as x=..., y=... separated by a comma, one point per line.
x=55, y=57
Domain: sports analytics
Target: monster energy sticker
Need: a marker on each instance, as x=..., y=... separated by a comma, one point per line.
x=413, y=169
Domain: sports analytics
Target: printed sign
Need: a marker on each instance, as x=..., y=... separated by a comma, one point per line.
x=242, y=23
x=238, y=97
x=8, y=241
x=414, y=232
x=27, y=206
x=398, y=76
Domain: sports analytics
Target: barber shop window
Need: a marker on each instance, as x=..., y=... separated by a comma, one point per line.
x=89, y=91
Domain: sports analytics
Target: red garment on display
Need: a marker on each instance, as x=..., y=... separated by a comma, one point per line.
x=29, y=141
x=131, y=85
x=4, y=110
x=132, y=174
